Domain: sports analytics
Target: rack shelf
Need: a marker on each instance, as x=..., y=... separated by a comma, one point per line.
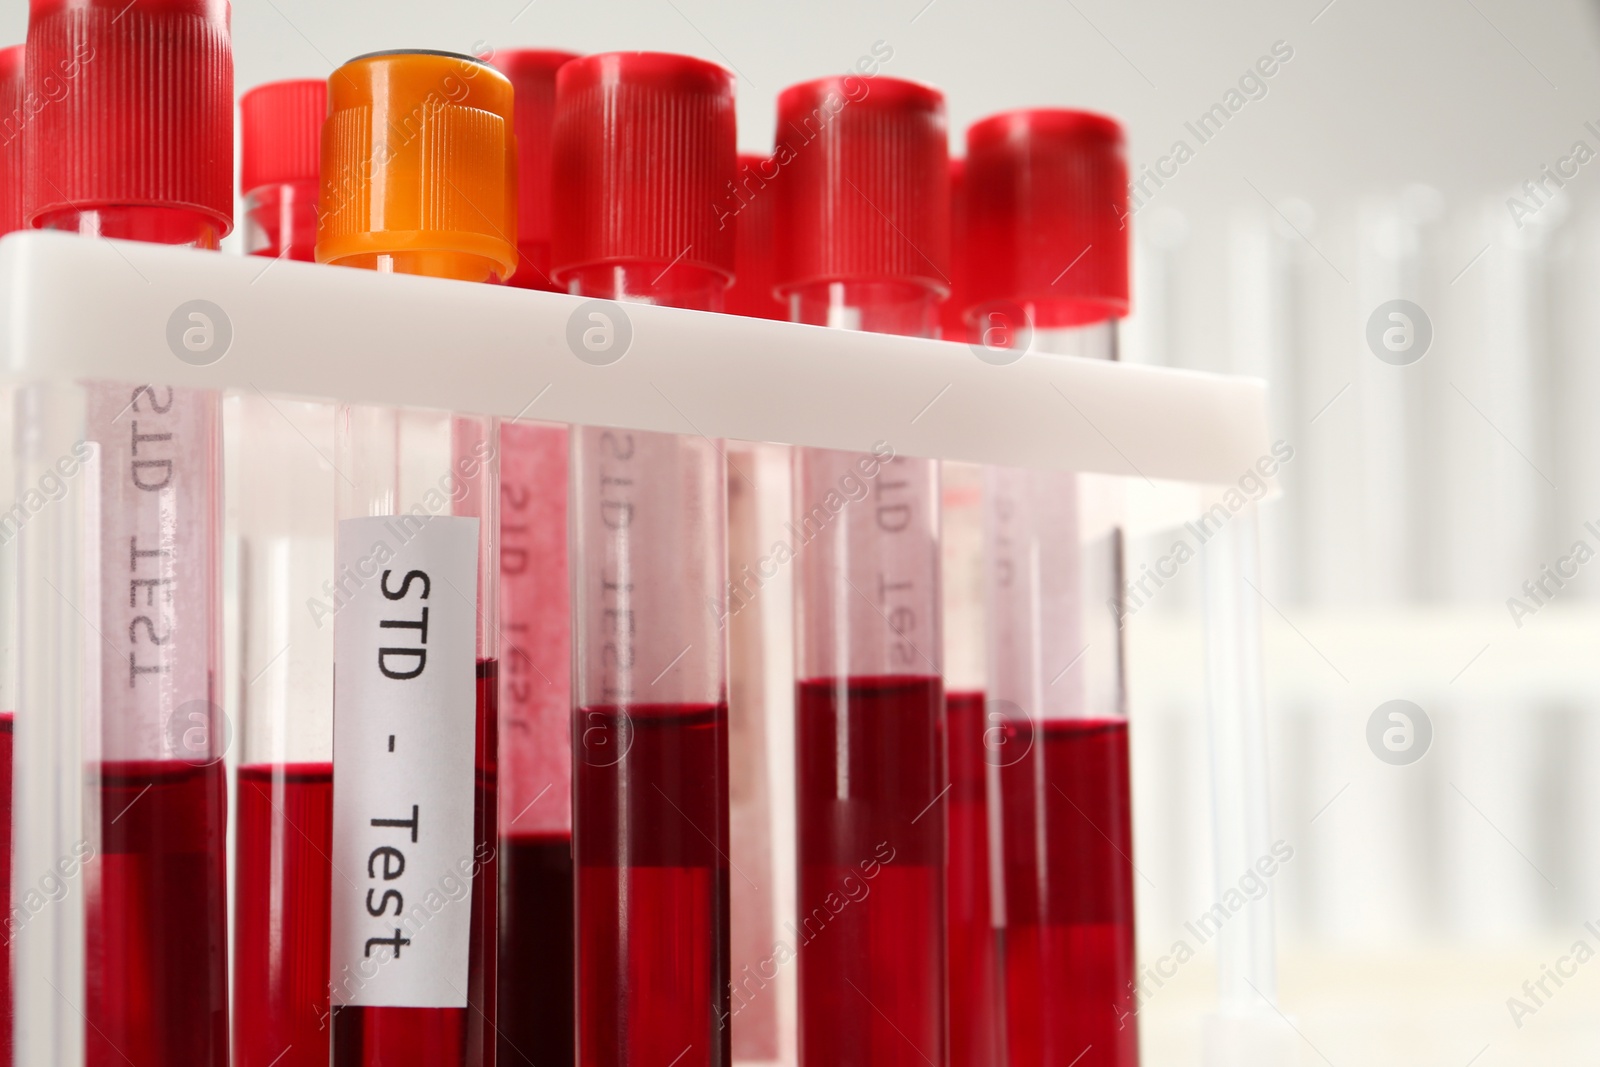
x=78, y=309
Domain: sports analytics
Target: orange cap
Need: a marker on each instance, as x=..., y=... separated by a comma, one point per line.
x=419, y=167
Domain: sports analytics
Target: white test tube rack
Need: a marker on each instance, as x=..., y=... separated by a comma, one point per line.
x=75, y=309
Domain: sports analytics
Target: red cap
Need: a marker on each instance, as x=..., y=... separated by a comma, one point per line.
x=749, y=209
x=12, y=120
x=141, y=110
x=643, y=152
x=867, y=193
x=533, y=78
x=1047, y=195
x=281, y=131
x=953, y=312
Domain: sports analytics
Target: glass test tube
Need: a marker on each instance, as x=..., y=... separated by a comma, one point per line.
x=869, y=704
x=1043, y=187
x=971, y=936
x=535, y=983
x=398, y=460
x=284, y=833
x=644, y=149
x=973, y=968
x=425, y=995
x=141, y=148
x=757, y=616
x=12, y=93
x=284, y=830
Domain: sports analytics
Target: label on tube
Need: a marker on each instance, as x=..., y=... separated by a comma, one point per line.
x=158, y=606
x=403, y=739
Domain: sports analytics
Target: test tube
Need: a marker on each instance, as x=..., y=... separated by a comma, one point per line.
x=972, y=941
x=536, y=977
x=973, y=968
x=137, y=144
x=644, y=149
x=416, y=179
x=284, y=805
x=12, y=93
x=863, y=243
x=1047, y=254
x=757, y=618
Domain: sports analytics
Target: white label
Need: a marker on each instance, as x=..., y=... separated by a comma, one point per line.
x=404, y=696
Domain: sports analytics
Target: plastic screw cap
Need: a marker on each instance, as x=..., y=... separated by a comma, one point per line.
x=1047, y=202
x=417, y=158
x=140, y=107
x=751, y=209
x=13, y=120
x=865, y=194
x=644, y=155
x=952, y=313
x=281, y=132
x=533, y=78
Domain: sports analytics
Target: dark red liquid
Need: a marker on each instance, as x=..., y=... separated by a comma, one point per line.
x=7, y=1006
x=871, y=855
x=283, y=874
x=650, y=827
x=446, y=1037
x=536, y=938
x=156, y=954
x=1069, y=923
x=974, y=961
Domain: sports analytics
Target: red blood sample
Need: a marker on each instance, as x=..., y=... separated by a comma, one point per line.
x=161, y=864
x=1069, y=951
x=536, y=937
x=282, y=884
x=871, y=855
x=652, y=836
x=972, y=942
